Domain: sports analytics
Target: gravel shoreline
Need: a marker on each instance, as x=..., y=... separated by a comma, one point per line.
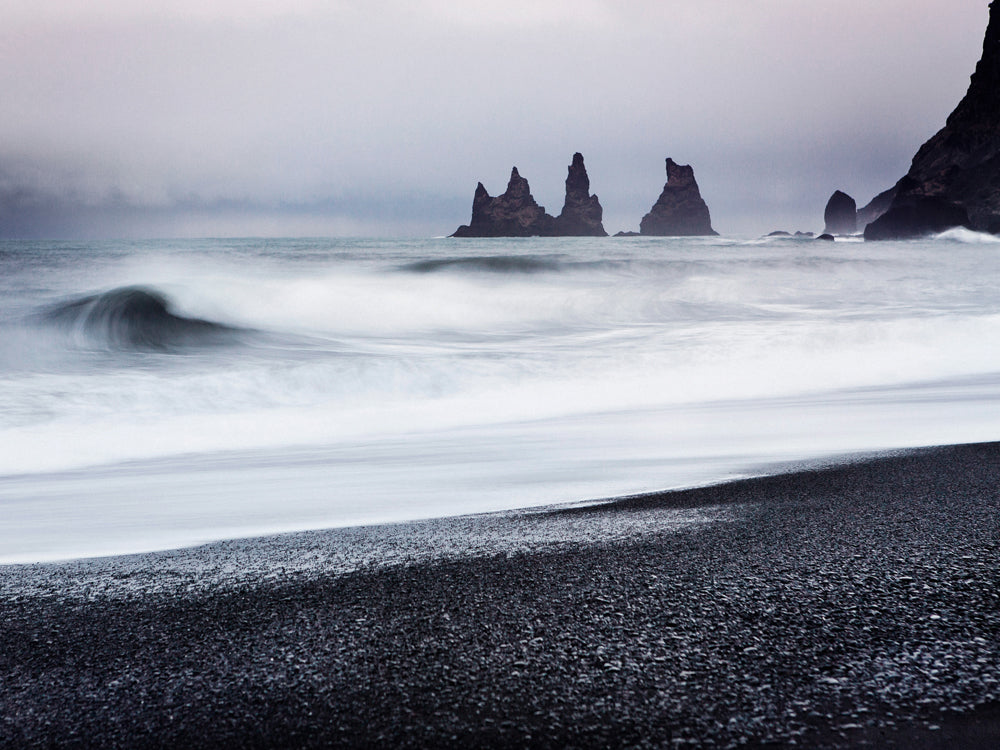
x=849, y=606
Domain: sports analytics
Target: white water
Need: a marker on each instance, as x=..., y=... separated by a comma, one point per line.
x=378, y=381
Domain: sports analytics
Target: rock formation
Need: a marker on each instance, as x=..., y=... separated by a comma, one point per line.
x=914, y=214
x=876, y=207
x=516, y=214
x=841, y=214
x=680, y=210
x=958, y=170
x=513, y=214
x=582, y=213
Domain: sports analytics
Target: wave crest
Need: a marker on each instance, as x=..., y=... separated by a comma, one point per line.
x=135, y=318
x=488, y=263
x=968, y=236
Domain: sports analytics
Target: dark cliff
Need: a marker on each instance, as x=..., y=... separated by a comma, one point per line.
x=954, y=179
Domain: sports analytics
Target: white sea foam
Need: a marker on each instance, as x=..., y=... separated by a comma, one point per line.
x=383, y=381
x=968, y=236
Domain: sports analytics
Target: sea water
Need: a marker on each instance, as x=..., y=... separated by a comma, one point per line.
x=162, y=394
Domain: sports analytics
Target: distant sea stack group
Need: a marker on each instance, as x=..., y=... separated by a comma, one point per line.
x=953, y=181
x=679, y=211
x=517, y=214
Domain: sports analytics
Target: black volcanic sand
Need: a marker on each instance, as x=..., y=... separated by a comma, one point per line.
x=850, y=606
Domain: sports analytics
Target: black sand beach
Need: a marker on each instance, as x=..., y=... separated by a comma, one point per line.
x=856, y=605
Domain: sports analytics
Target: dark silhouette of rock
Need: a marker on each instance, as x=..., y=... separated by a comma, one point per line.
x=627, y=234
x=680, y=210
x=841, y=214
x=513, y=214
x=826, y=237
x=581, y=214
x=804, y=234
x=878, y=206
x=779, y=233
x=959, y=168
x=914, y=215
x=516, y=214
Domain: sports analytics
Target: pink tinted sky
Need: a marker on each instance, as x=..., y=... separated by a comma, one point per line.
x=379, y=117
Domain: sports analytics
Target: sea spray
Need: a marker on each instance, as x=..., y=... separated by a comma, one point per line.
x=366, y=381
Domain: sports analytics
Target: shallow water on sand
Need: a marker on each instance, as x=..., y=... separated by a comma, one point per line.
x=160, y=394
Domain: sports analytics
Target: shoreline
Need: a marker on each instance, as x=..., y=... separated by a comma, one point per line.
x=843, y=606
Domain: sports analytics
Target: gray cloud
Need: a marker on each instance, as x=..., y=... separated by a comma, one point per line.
x=282, y=117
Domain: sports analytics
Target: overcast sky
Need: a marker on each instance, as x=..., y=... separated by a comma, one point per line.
x=265, y=117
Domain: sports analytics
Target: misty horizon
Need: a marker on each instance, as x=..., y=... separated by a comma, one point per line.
x=314, y=119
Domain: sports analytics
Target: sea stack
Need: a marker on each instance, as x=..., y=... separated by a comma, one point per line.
x=954, y=179
x=680, y=210
x=841, y=214
x=516, y=214
x=513, y=214
x=582, y=213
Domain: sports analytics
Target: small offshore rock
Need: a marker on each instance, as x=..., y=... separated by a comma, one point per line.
x=841, y=214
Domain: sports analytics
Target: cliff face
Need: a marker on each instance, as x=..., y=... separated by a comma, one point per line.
x=876, y=207
x=582, y=214
x=513, y=214
x=955, y=176
x=517, y=214
x=680, y=210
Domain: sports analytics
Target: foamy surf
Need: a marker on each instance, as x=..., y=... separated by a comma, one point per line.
x=968, y=236
x=215, y=389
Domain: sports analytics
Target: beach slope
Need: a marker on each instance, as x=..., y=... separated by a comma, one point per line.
x=853, y=605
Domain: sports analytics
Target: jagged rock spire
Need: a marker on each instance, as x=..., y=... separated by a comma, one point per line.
x=680, y=210
x=582, y=214
x=516, y=214
x=513, y=214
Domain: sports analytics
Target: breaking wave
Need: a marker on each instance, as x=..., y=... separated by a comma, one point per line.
x=487, y=263
x=968, y=237
x=135, y=318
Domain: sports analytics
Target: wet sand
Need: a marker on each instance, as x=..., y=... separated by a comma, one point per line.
x=857, y=605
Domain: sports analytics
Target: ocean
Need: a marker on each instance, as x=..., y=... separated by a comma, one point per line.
x=160, y=394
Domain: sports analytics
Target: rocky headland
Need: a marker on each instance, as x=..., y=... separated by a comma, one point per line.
x=515, y=213
x=954, y=179
x=875, y=207
x=680, y=210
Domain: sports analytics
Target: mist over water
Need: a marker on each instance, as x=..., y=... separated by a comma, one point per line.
x=162, y=394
